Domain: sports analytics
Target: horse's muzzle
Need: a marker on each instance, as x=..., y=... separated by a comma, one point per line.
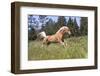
x=69, y=32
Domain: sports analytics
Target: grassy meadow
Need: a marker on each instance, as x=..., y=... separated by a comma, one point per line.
x=76, y=48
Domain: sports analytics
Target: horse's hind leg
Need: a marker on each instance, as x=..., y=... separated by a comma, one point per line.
x=45, y=41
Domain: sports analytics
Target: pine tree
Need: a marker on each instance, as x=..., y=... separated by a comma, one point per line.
x=49, y=27
x=76, y=28
x=42, y=19
x=84, y=26
x=32, y=34
x=70, y=24
x=32, y=25
x=61, y=22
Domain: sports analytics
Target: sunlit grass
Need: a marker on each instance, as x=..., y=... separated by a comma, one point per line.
x=76, y=48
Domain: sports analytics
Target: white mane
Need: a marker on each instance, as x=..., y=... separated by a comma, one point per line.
x=62, y=28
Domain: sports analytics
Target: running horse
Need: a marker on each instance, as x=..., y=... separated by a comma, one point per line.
x=57, y=37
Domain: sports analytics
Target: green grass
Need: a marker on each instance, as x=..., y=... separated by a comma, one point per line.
x=76, y=48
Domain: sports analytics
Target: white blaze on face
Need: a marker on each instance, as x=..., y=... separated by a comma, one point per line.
x=69, y=32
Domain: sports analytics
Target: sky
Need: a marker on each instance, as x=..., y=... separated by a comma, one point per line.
x=54, y=18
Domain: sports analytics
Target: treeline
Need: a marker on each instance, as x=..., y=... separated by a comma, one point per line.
x=51, y=27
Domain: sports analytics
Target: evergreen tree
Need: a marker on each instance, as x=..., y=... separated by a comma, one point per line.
x=61, y=22
x=76, y=28
x=32, y=26
x=49, y=27
x=43, y=19
x=71, y=26
x=84, y=26
x=32, y=34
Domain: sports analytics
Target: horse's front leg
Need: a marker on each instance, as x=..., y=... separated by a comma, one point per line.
x=65, y=43
x=62, y=43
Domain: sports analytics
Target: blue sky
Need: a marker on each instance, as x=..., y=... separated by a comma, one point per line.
x=54, y=18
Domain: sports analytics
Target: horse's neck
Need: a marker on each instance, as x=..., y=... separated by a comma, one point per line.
x=59, y=34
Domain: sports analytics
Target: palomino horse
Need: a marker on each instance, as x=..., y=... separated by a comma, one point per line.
x=57, y=37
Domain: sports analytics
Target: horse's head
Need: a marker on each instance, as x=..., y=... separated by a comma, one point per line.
x=64, y=30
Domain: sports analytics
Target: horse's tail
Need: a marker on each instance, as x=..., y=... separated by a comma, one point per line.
x=41, y=35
